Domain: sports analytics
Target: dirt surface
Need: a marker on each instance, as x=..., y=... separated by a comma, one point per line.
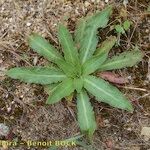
x=22, y=106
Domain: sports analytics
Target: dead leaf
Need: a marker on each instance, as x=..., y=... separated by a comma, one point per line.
x=109, y=143
x=100, y=121
x=112, y=77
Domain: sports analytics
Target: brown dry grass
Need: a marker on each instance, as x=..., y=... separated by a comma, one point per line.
x=29, y=118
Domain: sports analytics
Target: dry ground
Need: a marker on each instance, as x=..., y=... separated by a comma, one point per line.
x=22, y=106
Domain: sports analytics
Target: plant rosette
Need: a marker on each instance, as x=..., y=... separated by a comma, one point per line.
x=73, y=72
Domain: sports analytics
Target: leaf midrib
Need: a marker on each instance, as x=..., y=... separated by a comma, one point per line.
x=64, y=89
x=112, y=62
x=35, y=74
x=39, y=45
x=68, y=47
x=84, y=111
x=83, y=28
x=100, y=89
x=89, y=44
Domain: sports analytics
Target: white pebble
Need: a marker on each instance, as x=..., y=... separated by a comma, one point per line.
x=106, y=1
x=4, y=130
x=28, y=24
x=86, y=4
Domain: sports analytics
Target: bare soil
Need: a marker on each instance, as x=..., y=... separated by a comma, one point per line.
x=22, y=106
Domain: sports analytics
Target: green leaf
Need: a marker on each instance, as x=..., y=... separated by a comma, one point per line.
x=42, y=46
x=125, y=59
x=88, y=44
x=50, y=88
x=93, y=64
x=79, y=32
x=78, y=84
x=107, y=93
x=100, y=19
x=86, y=116
x=100, y=56
x=38, y=75
x=119, y=29
x=126, y=25
x=106, y=45
x=63, y=89
x=68, y=68
x=90, y=40
x=70, y=51
x=74, y=138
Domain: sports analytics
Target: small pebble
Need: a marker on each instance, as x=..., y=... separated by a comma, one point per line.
x=86, y=4
x=129, y=129
x=35, y=60
x=28, y=24
x=147, y=30
x=4, y=130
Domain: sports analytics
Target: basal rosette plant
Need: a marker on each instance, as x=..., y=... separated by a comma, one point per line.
x=74, y=70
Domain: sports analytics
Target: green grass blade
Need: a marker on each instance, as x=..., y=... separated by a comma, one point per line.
x=65, y=38
x=40, y=75
x=125, y=59
x=43, y=47
x=107, y=93
x=63, y=89
x=86, y=116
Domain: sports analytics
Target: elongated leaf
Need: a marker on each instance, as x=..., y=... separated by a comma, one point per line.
x=107, y=93
x=88, y=44
x=79, y=32
x=90, y=40
x=125, y=59
x=78, y=84
x=50, y=88
x=93, y=64
x=106, y=45
x=100, y=19
x=63, y=89
x=36, y=75
x=68, y=68
x=43, y=47
x=100, y=56
x=86, y=116
x=65, y=38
